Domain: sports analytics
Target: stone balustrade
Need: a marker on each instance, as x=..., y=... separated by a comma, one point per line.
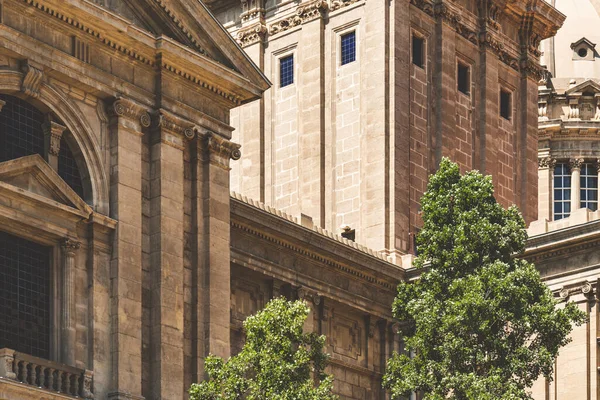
x=44, y=374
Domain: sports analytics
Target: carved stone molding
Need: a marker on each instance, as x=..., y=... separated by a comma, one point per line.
x=575, y=163
x=70, y=246
x=254, y=34
x=546, y=162
x=309, y=295
x=584, y=288
x=337, y=4
x=221, y=150
x=128, y=109
x=32, y=79
x=53, y=132
x=176, y=125
x=252, y=9
x=304, y=13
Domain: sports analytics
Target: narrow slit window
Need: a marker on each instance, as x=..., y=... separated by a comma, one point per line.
x=464, y=78
x=286, y=71
x=418, y=51
x=505, y=104
x=348, y=44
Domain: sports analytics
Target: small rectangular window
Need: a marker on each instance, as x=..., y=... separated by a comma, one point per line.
x=505, y=104
x=286, y=71
x=464, y=78
x=348, y=44
x=418, y=51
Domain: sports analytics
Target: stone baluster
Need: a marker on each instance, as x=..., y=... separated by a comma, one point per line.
x=51, y=378
x=86, y=386
x=70, y=248
x=52, y=136
x=575, y=165
x=7, y=359
x=42, y=377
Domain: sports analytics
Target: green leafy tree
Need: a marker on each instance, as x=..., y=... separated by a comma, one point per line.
x=479, y=324
x=278, y=362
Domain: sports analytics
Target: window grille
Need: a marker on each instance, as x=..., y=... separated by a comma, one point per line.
x=589, y=186
x=562, y=191
x=348, y=44
x=21, y=135
x=24, y=296
x=20, y=129
x=286, y=71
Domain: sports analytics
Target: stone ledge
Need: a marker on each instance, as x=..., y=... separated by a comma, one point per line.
x=12, y=390
x=577, y=217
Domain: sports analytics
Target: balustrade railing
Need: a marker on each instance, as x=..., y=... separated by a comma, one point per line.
x=44, y=374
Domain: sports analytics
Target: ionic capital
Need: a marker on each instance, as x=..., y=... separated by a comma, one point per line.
x=221, y=150
x=175, y=125
x=124, y=108
x=253, y=34
x=309, y=296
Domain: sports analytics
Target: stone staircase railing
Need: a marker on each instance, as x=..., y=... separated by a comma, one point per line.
x=44, y=374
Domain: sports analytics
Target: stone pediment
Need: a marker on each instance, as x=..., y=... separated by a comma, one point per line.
x=588, y=86
x=190, y=23
x=32, y=176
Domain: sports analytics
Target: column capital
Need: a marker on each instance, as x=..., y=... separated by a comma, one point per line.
x=546, y=162
x=221, y=150
x=53, y=131
x=309, y=296
x=575, y=163
x=70, y=246
x=125, y=108
x=253, y=34
x=175, y=124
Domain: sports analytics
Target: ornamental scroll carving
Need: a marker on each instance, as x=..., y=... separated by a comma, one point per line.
x=222, y=150
x=576, y=163
x=128, y=109
x=32, y=79
x=304, y=13
x=546, y=162
x=53, y=132
x=254, y=34
x=586, y=289
x=176, y=125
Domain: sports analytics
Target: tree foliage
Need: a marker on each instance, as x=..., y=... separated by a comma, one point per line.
x=479, y=324
x=278, y=361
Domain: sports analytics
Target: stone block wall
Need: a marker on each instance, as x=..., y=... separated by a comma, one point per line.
x=381, y=118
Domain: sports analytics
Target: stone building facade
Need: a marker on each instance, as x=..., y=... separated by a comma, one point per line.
x=126, y=256
x=353, y=144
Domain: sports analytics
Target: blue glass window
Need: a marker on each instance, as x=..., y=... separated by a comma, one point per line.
x=348, y=48
x=562, y=191
x=589, y=186
x=286, y=71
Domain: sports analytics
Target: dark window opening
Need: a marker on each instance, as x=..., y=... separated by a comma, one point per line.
x=286, y=71
x=418, y=51
x=582, y=52
x=505, y=104
x=464, y=78
x=21, y=135
x=24, y=296
x=348, y=44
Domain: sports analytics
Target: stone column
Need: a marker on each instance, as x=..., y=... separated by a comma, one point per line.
x=311, y=134
x=545, y=179
x=166, y=255
x=213, y=240
x=313, y=300
x=52, y=137
x=575, y=165
x=68, y=333
x=126, y=122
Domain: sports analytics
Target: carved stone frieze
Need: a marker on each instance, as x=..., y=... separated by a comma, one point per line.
x=32, y=79
x=304, y=13
x=128, y=109
x=53, y=132
x=337, y=4
x=254, y=34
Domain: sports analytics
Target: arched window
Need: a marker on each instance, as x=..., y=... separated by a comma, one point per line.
x=21, y=134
